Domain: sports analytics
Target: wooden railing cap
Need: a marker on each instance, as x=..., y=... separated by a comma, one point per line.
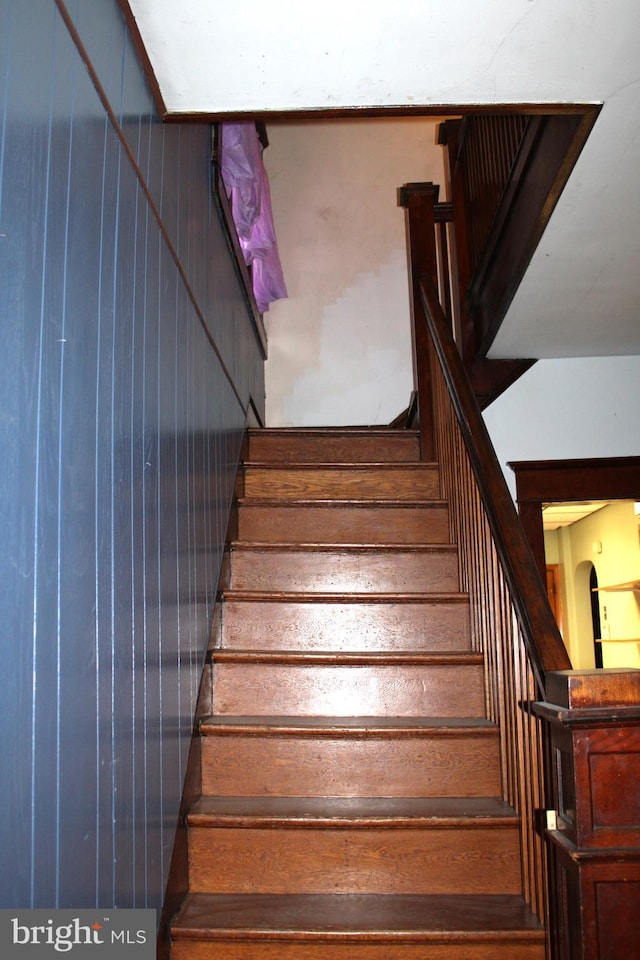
x=428, y=188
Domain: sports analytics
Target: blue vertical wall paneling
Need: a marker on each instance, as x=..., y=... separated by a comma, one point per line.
x=120, y=432
x=196, y=228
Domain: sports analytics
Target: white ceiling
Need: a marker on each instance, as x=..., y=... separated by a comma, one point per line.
x=556, y=515
x=581, y=294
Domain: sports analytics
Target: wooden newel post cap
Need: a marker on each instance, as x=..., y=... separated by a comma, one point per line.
x=409, y=190
x=593, y=689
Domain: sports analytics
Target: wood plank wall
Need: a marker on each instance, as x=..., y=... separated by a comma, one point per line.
x=129, y=361
x=489, y=148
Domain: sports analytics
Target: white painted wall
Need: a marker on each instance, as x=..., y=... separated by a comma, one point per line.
x=340, y=346
x=215, y=57
x=586, y=407
x=580, y=296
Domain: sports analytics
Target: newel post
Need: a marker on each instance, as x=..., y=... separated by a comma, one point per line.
x=418, y=200
x=593, y=718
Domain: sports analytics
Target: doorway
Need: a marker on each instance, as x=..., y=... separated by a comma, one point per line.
x=543, y=482
x=595, y=617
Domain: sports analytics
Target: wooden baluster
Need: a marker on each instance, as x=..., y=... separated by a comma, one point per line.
x=497, y=630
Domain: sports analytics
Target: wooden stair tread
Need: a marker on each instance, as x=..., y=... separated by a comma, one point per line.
x=386, y=503
x=345, y=658
x=343, y=548
x=349, y=568
x=362, y=430
x=403, y=812
x=339, y=727
x=273, y=596
x=335, y=465
x=357, y=917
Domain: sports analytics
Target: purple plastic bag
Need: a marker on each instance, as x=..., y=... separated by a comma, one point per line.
x=247, y=186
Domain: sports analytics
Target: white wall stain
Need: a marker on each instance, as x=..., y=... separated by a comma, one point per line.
x=340, y=346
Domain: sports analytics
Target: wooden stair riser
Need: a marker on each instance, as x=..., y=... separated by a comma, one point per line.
x=280, y=446
x=367, y=482
x=465, y=765
x=302, y=949
x=294, y=625
x=362, y=571
x=342, y=523
x=346, y=691
x=376, y=861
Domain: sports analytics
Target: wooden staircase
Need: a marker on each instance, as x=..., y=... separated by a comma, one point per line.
x=351, y=802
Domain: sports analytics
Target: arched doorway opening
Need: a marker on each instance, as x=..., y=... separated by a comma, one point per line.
x=595, y=617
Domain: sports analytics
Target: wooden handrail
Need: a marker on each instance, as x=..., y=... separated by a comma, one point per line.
x=542, y=638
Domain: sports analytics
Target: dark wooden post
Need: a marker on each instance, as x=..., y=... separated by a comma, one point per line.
x=450, y=136
x=594, y=845
x=418, y=200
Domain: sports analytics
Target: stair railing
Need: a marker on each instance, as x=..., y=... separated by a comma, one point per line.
x=511, y=622
x=570, y=761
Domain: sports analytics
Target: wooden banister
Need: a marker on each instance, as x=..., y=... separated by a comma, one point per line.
x=542, y=638
x=577, y=748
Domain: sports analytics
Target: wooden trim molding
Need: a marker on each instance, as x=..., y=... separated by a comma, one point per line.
x=143, y=56
x=548, y=481
x=613, y=478
x=144, y=186
x=489, y=378
x=178, y=879
x=373, y=111
x=326, y=113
